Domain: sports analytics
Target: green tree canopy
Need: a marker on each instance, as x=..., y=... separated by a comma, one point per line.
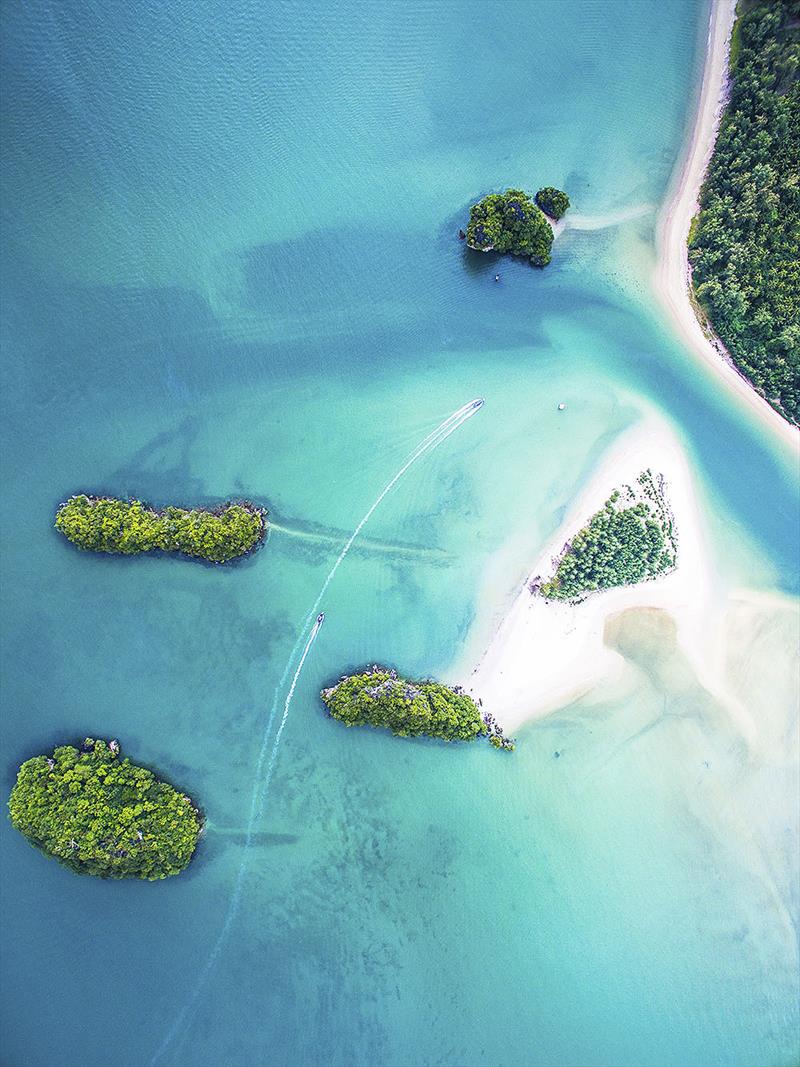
x=631, y=539
x=100, y=814
x=378, y=697
x=510, y=222
x=743, y=245
x=104, y=524
x=553, y=202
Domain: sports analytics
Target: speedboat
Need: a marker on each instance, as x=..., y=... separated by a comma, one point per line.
x=477, y=403
x=320, y=618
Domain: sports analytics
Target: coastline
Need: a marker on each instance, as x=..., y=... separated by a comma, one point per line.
x=547, y=653
x=672, y=277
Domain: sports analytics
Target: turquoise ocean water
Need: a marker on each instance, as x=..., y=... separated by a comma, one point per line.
x=230, y=268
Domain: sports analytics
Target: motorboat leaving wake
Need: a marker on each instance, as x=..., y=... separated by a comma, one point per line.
x=262, y=780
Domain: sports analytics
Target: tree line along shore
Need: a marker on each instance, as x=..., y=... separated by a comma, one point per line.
x=744, y=241
x=631, y=539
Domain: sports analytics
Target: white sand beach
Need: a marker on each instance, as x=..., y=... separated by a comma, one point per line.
x=672, y=277
x=546, y=654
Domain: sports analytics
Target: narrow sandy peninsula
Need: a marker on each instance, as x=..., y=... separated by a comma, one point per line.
x=547, y=653
x=672, y=275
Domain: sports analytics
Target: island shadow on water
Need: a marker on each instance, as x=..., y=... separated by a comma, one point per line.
x=217, y=840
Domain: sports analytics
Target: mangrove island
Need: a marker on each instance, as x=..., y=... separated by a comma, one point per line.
x=129, y=527
x=511, y=222
x=631, y=539
x=98, y=813
x=378, y=697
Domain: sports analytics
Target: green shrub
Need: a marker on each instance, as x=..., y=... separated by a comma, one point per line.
x=378, y=697
x=553, y=202
x=100, y=814
x=103, y=524
x=510, y=222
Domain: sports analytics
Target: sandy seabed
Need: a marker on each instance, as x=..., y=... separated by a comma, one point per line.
x=736, y=646
x=547, y=653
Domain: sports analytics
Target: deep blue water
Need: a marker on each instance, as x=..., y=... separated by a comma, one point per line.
x=229, y=268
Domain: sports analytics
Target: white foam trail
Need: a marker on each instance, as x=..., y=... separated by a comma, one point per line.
x=610, y=218
x=260, y=790
x=433, y=440
x=233, y=904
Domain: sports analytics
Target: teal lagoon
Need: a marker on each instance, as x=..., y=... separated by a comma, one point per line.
x=230, y=268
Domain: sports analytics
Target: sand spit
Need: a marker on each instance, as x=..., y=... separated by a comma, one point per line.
x=672, y=276
x=547, y=653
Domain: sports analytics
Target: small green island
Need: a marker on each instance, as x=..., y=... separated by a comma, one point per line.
x=97, y=813
x=631, y=539
x=553, y=202
x=512, y=222
x=129, y=527
x=378, y=697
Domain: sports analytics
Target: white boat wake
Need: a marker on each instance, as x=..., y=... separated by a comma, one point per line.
x=261, y=788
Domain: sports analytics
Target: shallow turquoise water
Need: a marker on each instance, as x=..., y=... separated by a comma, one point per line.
x=230, y=268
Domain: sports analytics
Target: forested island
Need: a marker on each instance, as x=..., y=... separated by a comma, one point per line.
x=378, y=697
x=743, y=244
x=512, y=222
x=632, y=538
x=105, y=524
x=98, y=813
x=553, y=202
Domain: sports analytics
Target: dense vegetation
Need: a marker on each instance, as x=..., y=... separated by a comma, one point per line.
x=101, y=814
x=510, y=222
x=553, y=202
x=630, y=540
x=378, y=697
x=744, y=244
x=103, y=524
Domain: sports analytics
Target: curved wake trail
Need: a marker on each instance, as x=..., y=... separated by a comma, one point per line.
x=233, y=905
x=433, y=440
x=260, y=790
